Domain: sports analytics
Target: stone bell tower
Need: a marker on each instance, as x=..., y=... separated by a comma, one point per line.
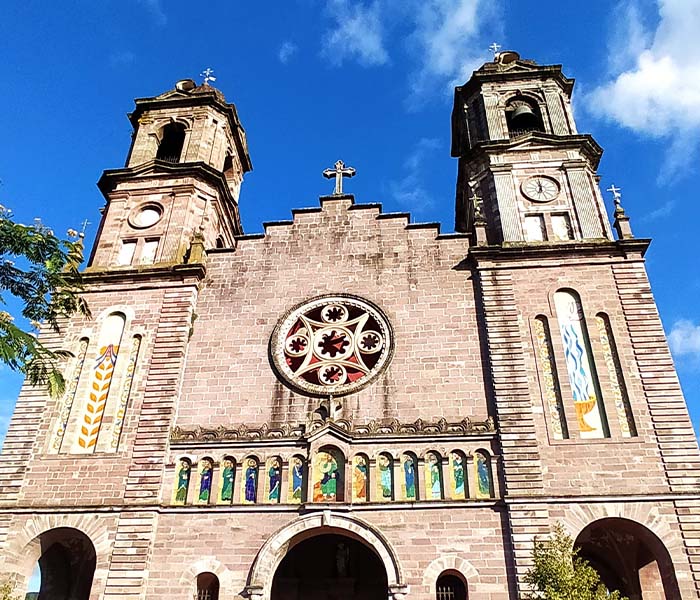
x=182, y=178
x=525, y=174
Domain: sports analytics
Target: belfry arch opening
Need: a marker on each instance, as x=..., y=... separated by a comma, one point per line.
x=171, y=143
x=629, y=558
x=67, y=564
x=330, y=566
x=522, y=116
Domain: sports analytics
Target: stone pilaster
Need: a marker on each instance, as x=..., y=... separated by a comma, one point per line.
x=669, y=414
x=584, y=198
x=167, y=362
x=507, y=204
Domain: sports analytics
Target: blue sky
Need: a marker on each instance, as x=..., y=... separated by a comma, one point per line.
x=368, y=82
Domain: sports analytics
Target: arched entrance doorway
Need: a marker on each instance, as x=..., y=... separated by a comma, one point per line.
x=330, y=566
x=67, y=564
x=629, y=558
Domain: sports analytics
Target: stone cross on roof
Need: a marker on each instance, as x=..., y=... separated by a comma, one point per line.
x=208, y=75
x=495, y=48
x=339, y=172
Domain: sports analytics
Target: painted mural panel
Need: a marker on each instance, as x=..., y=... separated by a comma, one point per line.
x=126, y=392
x=433, y=476
x=228, y=476
x=409, y=479
x=183, y=481
x=617, y=381
x=385, y=477
x=550, y=383
x=458, y=480
x=206, y=476
x=68, y=398
x=328, y=475
x=579, y=364
x=101, y=381
x=249, y=484
x=296, y=480
x=482, y=475
x=273, y=482
x=360, y=478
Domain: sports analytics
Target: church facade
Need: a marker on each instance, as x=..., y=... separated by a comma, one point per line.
x=352, y=405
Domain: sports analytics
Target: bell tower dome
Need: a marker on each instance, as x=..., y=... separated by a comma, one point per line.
x=525, y=175
x=182, y=178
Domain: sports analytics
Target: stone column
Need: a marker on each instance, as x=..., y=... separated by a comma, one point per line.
x=585, y=201
x=507, y=204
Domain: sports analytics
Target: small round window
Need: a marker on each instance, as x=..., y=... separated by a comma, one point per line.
x=146, y=216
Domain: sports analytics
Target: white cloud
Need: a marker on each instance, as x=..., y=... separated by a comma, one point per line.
x=655, y=86
x=410, y=191
x=286, y=51
x=356, y=33
x=684, y=338
x=156, y=10
x=447, y=41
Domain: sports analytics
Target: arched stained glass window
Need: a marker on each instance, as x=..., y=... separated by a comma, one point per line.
x=587, y=400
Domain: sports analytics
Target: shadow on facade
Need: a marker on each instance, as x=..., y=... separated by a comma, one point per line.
x=330, y=566
x=629, y=558
x=67, y=565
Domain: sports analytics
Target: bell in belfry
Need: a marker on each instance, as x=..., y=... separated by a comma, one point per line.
x=524, y=118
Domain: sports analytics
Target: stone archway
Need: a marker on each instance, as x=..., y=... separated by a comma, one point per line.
x=278, y=545
x=67, y=564
x=629, y=558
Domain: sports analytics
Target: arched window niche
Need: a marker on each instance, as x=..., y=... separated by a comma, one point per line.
x=329, y=475
x=207, y=586
x=549, y=380
x=583, y=379
x=450, y=586
x=171, y=143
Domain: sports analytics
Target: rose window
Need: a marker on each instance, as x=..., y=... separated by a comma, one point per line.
x=332, y=345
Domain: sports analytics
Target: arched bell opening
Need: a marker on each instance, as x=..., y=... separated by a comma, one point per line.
x=171, y=143
x=629, y=558
x=523, y=115
x=66, y=564
x=330, y=566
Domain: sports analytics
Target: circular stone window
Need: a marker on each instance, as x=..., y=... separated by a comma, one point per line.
x=332, y=345
x=146, y=216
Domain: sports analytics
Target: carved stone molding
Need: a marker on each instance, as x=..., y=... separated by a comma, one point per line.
x=374, y=428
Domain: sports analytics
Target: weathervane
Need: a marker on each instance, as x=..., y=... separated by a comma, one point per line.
x=339, y=172
x=208, y=75
x=495, y=48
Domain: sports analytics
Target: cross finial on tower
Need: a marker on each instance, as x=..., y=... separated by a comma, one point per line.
x=339, y=172
x=478, y=207
x=208, y=75
x=495, y=48
x=617, y=199
x=85, y=224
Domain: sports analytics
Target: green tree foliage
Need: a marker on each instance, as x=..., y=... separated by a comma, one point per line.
x=7, y=591
x=40, y=271
x=558, y=573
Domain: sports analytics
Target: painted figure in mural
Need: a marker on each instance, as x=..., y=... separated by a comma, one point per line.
x=183, y=481
x=326, y=487
x=227, y=476
x=251, y=480
x=205, y=476
x=297, y=478
x=384, y=464
x=434, y=468
x=483, y=477
x=359, y=478
x=409, y=473
x=458, y=474
x=275, y=474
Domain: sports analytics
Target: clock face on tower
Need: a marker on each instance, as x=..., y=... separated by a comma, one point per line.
x=540, y=188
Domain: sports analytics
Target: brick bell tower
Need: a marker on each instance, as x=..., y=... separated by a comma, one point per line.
x=182, y=178
x=581, y=378
x=519, y=154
